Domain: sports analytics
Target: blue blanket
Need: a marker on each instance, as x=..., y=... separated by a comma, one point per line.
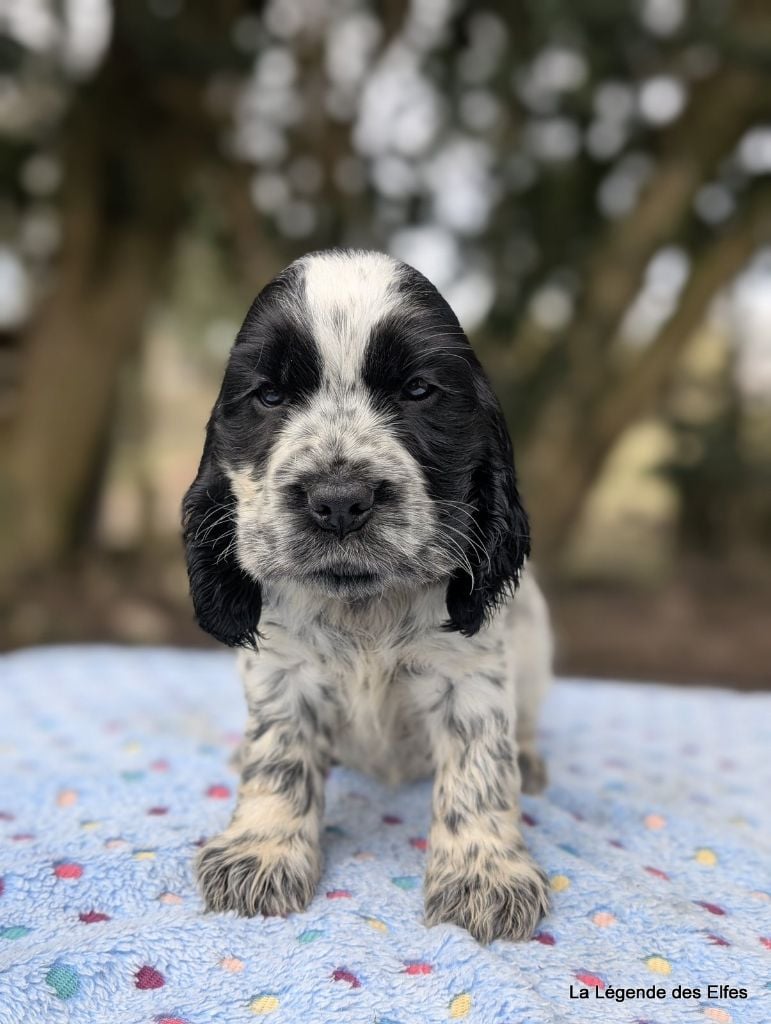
x=115, y=766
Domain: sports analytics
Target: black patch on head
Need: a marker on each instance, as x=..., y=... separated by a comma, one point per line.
x=274, y=346
x=459, y=438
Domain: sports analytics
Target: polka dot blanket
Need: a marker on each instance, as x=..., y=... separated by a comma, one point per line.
x=115, y=766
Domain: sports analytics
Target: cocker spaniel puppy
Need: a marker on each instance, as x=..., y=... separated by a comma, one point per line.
x=355, y=527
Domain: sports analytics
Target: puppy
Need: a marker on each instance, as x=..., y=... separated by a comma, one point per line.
x=355, y=528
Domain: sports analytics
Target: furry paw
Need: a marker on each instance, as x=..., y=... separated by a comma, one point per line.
x=497, y=898
x=258, y=876
x=532, y=768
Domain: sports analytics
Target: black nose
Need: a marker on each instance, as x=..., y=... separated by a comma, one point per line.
x=341, y=507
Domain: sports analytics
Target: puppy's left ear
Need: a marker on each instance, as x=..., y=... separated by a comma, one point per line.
x=227, y=601
x=501, y=541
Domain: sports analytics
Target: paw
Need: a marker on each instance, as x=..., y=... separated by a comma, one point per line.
x=532, y=768
x=258, y=876
x=494, y=898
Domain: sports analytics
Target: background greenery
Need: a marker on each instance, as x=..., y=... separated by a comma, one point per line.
x=588, y=181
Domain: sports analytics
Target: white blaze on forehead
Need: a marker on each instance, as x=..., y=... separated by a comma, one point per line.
x=346, y=295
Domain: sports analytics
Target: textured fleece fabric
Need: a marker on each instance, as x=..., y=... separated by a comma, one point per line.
x=114, y=766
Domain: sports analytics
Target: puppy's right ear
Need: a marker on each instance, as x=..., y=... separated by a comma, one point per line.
x=227, y=601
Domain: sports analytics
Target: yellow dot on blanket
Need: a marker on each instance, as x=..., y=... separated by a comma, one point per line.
x=379, y=926
x=658, y=965
x=604, y=919
x=460, y=1006
x=706, y=857
x=264, y=1004
x=233, y=964
x=144, y=855
x=560, y=883
x=89, y=826
x=132, y=747
x=716, y=1014
x=654, y=822
x=66, y=798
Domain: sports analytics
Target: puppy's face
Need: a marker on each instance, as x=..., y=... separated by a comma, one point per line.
x=346, y=430
x=355, y=446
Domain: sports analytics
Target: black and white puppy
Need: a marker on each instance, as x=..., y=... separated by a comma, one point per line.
x=356, y=497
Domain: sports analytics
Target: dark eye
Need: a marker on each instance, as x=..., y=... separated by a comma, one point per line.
x=417, y=389
x=270, y=395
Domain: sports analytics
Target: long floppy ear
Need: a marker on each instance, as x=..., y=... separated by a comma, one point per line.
x=501, y=540
x=226, y=600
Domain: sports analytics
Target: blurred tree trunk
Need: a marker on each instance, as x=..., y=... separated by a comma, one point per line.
x=114, y=252
x=134, y=137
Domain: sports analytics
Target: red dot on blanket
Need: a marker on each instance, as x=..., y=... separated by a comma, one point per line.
x=170, y=1020
x=67, y=869
x=658, y=873
x=2, y=886
x=544, y=938
x=340, y=974
x=604, y=919
x=93, y=917
x=417, y=968
x=391, y=819
x=148, y=977
x=765, y=942
x=615, y=762
x=419, y=843
x=158, y=811
x=6, y=816
x=655, y=822
x=718, y=940
x=713, y=908
x=529, y=820
x=338, y=894
x=590, y=979
x=161, y=765
x=218, y=792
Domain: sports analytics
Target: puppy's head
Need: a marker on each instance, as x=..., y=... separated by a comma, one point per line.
x=355, y=446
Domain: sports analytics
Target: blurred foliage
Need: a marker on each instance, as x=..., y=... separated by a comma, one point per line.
x=586, y=180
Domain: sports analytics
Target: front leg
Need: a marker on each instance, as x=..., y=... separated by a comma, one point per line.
x=268, y=859
x=479, y=875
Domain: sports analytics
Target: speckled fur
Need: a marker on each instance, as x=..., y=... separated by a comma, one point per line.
x=370, y=676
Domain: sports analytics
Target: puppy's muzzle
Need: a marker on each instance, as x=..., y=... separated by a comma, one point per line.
x=340, y=507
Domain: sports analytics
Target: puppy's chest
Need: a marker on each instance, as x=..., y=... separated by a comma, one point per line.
x=366, y=683
x=379, y=728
